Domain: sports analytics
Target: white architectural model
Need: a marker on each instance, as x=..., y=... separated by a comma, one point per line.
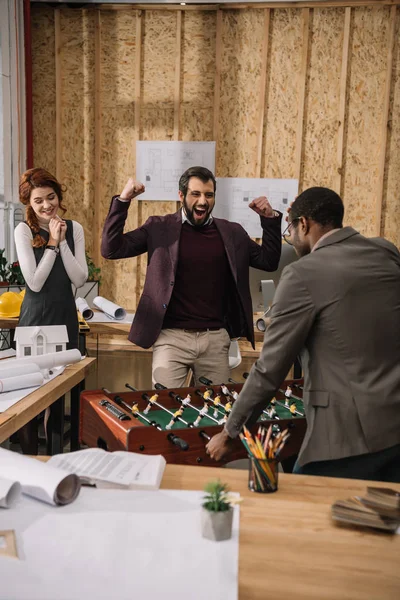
x=34, y=341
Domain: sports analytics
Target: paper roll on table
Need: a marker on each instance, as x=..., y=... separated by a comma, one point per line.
x=10, y=491
x=84, y=309
x=14, y=371
x=109, y=308
x=47, y=361
x=22, y=381
x=38, y=479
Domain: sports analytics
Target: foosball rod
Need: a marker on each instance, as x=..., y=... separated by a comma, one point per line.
x=146, y=397
x=245, y=375
x=282, y=404
x=209, y=399
x=178, y=398
x=118, y=400
x=208, y=382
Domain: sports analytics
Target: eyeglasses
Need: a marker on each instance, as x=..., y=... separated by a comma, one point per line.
x=286, y=233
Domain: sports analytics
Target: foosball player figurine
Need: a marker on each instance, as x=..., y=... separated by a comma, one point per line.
x=216, y=402
x=228, y=408
x=153, y=399
x=186, y=401
x=225, y=390
x=175, y=417
x=293, y=409
x=288, y=395
x=235, y=395
x=202, y=414
x=207, y=395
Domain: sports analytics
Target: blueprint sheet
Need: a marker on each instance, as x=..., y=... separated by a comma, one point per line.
x=159, y=165
x=234, y=196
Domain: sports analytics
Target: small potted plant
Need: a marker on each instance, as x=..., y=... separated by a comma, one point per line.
x=15, y=276
x=3, y=268
x=94, y=273
x=217, y=512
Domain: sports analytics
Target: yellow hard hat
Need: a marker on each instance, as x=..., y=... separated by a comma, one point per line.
x=10, y=305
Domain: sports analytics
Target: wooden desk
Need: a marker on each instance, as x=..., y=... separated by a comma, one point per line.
x=122, y=329
x=51, y=393
x=290, y=549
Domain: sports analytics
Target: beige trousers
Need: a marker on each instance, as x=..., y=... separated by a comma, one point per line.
x=178, y=350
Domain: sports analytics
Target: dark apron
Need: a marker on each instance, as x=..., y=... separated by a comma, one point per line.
x=55, y=303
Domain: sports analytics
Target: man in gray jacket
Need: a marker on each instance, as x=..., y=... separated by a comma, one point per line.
x=339, y=306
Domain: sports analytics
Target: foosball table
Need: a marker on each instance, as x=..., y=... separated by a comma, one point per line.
x=178, y=423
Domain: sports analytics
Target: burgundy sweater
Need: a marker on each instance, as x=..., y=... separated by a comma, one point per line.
x=202, y=281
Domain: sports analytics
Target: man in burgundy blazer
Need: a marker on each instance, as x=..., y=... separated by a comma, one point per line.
x=197, y=276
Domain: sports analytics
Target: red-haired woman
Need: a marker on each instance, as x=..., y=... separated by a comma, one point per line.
x=51, y=254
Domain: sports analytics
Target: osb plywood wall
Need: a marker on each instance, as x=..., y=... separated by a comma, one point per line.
x=310, y=93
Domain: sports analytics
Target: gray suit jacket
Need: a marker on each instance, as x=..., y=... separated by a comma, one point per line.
x=340, y=307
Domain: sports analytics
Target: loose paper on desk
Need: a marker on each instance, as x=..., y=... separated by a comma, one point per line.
x=109, y=308
x=84, y=308
x=10, y=491
x=113, y=469
x=38, y=479
x=122, y=545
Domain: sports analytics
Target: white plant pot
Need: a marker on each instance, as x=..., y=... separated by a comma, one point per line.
x=216, y=526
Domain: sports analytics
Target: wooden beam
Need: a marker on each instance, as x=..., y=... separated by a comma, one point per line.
x=310, y=4
x=244, y=5
x=138, y=78
x=342, y=101
x=302, y=91
x=262, y=93
x=217, y=81
x=385, y=119
x=138, y=88
x=97, y=138
x=58, y=48
x=177, y=87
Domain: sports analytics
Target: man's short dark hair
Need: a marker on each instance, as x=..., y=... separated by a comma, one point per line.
x=201, y=173
x=322, y=205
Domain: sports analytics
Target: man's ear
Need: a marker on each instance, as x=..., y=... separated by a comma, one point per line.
x=305, y=225
x=181, y=196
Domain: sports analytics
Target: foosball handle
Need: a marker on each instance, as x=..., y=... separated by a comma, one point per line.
x=178, y=441
x=130, y=387
x=232, y=380
x=205, y=381
x=160, y=386
x=204, y=435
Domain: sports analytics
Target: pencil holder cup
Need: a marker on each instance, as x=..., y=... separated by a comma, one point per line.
x=263, y=475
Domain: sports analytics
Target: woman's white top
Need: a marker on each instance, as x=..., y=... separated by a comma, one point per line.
x=36, y=275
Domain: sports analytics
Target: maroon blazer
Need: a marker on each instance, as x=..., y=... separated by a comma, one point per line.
x=159, y=237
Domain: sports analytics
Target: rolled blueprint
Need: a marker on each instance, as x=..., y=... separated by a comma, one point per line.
x=109, y=308
x=10, y=491
x=9, y=370
x=38, y=479
x=84, y=309
x=46, y=361
x=22, y=381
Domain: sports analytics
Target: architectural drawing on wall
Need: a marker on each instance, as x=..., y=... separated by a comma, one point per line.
x=159, y=165
x=235, y=194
